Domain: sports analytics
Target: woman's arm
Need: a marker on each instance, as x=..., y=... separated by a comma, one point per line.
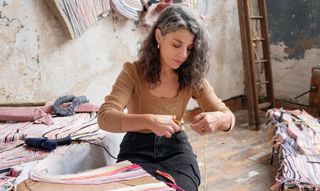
x=216, y=114
x=111, y=112
x=207, y=122
x=112, y=118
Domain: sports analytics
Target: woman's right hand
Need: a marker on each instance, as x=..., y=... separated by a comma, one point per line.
x=163, y=125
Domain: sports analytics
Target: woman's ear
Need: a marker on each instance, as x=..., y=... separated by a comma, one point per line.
x=158, y=35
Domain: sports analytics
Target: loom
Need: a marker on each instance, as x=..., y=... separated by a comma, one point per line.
x=314, y=99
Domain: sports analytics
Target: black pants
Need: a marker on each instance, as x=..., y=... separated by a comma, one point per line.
x=171, y=155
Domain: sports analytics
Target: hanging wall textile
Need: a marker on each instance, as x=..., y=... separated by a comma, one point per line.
x=128, y=8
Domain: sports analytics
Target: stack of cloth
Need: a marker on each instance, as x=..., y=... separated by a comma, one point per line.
x=297, y=140
x=13, y=150
x=87, y=162
x=50, y=176
x=81, y=127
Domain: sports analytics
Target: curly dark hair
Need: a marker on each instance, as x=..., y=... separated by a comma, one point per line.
x=193, y=70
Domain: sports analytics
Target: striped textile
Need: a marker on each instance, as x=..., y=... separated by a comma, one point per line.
x=122, y=176
x=13, y=151
x=297, y=139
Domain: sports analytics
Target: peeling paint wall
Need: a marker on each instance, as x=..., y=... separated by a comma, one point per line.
x=39, y=63
x=295, y=46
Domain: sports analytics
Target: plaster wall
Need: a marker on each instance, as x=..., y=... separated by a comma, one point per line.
x=295, y=46
x=39, y=63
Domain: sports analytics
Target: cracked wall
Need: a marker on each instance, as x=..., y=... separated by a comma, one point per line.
x=39, y=63
x=295, y=46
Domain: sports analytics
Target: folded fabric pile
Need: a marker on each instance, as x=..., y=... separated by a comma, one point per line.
x=13, y=150
x=88, y=172
x=82, y=127
x=297, y=139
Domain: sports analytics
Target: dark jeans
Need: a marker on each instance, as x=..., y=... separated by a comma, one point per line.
x=171, y=155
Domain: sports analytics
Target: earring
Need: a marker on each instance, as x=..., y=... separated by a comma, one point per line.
x=158, y=46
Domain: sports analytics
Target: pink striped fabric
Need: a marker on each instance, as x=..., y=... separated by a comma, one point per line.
x=297, y=138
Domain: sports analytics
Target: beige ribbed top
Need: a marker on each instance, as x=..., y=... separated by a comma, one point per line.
x=131, y=91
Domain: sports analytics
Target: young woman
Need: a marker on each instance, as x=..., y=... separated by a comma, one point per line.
x=156, y=89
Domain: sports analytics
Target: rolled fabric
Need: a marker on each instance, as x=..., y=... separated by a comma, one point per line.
x=20, y=114
x=35, y=142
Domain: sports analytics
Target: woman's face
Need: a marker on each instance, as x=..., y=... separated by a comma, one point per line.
x=175, y=47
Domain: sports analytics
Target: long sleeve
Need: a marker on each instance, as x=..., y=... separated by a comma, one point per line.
x=208, y=101
x=111, y=111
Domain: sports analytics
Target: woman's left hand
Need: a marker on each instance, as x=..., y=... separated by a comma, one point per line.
x=208, y=122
